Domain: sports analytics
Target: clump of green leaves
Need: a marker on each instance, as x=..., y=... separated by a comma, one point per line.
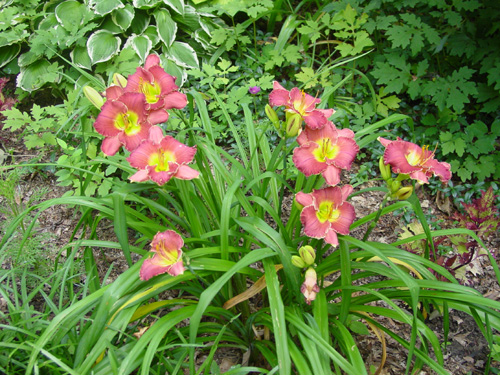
x=26, y=247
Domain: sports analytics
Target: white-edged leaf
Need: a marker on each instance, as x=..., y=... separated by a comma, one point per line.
x=141, y=22
x=34, y=76
x=102, y=7
x=70, y=14
x=183, y=54
x=80, y=57
x=152, y=34
x=102, y=45
x=166, y=26
x=123, y=17
x=145, y=3
x=141, y=45
x=176, y=71
x=177, y=5
x=8, y=53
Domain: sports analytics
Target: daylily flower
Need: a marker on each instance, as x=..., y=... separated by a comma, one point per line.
x=326, y=151
x=299, y=102
x=310, y=286
x=123, y=122
x=326, y=212
x=167, y=258
x=158, y=87
x=415, y=161
x=161, y=158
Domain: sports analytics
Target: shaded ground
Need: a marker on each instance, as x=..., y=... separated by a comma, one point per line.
x=466, y=351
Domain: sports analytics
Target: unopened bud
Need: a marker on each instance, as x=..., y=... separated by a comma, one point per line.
x=293, y=124
x=404, y=193
x=298, y=262
x=93, y=96
x=307, y=254
x=119, y=80
x=385, y=169
x=395, y=185
x=271, y=114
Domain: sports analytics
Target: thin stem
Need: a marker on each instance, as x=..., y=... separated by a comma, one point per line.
x=282, y=191
x=373, y=224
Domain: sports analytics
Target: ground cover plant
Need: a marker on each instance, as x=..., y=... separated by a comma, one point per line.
x=232, y=204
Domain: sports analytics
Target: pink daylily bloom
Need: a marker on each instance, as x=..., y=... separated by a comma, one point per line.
x=413, y=160
x=326, y=212
x=310, y=286
x=167, y=258
x=299, y=102
x=326, y=151
x=122, y=121
x=158, y=87
x=161, y=159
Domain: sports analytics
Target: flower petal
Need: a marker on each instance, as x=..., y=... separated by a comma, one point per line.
x=312, y=226
x=151, y=268
x=304, y=199
x=176, y=100
x=186, y=173
x=347, y=151
x=315, y=119
x=158, y=116
x=140, y=176
x=305, y=160
x=346, y=218
x=332, y=175
x=169, y=239
x=151, y=61
x=110, y=145
x=331, y=237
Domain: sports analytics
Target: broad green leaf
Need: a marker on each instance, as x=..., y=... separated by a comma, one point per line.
x=166, y=26
x=102, y=7
x=141, y=22
x=177, y=5
x=80, y=57
x=37, y=74
x=141, y=45
x=183, y=54
x=144, y=4
x=8, y=53
x=70, y=14
x=152, y=33
x=102, y=45
x=123, y=17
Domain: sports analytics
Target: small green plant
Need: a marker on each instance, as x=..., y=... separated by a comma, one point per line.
x=27, y=246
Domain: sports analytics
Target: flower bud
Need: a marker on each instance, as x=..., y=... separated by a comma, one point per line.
x=404, y=193
x=298, y=262
x=293, y=124
x=310, y=287
x=385, y=169
x=93, y=96
x=395, y=185
x=119, y=80
x=271, y=114
x=308, y=255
